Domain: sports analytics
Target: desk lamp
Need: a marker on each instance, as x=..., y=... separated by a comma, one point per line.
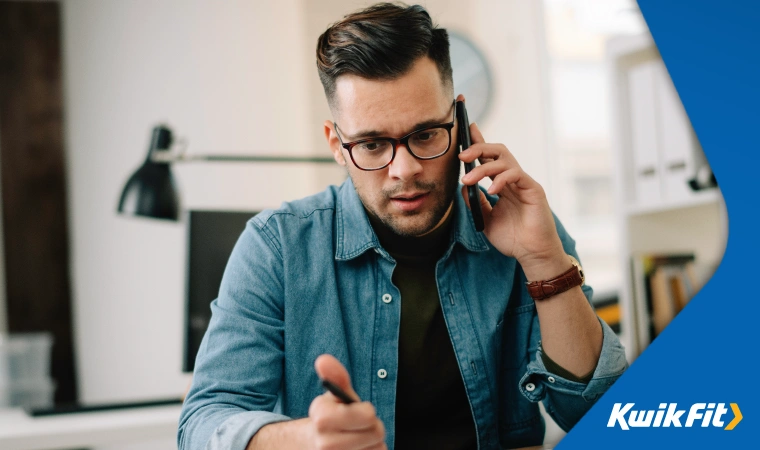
x=151, y=190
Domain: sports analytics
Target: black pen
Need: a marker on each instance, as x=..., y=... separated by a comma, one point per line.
x=336, y=391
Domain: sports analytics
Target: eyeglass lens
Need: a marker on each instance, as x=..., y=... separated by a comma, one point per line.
x=377, y=153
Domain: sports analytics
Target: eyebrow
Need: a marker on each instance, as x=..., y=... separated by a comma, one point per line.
x=364, y=134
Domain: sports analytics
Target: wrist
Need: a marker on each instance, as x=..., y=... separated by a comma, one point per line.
x=545, y=267
x=291, y=434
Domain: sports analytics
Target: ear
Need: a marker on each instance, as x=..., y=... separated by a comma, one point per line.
x=334, y=143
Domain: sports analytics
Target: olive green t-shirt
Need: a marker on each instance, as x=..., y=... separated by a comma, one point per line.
x=432, y=409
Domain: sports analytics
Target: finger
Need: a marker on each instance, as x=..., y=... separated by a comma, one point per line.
x=460, y=98
x=329, y=368
x=477, y=138
x=378, y=446
x=485, y=205
x=329, y=416
x=514, y=176
x=358, y=416
x=489, y=169
x=365, y=439
x=475, y=135
x=486, y=152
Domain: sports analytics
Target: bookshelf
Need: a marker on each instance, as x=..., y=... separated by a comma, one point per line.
x=656, y=153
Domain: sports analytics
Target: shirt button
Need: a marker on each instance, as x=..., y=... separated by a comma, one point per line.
x=551, y=379
x=530, y=387
x=387, y=298
x=382, y=373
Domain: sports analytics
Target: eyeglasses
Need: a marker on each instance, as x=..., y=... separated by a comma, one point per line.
x=377, y=153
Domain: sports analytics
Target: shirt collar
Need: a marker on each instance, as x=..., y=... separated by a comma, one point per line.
x=355, y=234
x=464, y=228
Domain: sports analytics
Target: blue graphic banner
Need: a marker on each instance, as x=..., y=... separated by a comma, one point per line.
x=702, y=362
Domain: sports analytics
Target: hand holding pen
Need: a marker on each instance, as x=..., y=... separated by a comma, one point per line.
x=339, y=418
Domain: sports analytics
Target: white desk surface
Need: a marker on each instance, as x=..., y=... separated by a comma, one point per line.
x=19, y=431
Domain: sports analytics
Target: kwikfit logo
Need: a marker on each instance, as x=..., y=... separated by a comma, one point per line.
x=668, y=415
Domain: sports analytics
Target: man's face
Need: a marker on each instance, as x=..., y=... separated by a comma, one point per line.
x=410, y=196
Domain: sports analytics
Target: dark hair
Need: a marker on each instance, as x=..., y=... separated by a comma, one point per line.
x=381, y=42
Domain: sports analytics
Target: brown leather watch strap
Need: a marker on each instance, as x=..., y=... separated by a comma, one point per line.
x=541, y=290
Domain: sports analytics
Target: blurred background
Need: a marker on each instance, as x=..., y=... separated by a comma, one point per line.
x=99, y=308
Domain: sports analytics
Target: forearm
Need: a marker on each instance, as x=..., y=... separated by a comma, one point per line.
x=292, y=434
x=570, y=331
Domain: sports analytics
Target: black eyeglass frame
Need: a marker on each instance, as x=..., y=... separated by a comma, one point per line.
x=395, y=142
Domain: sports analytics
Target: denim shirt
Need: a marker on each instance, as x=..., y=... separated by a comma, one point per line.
x=311, y=278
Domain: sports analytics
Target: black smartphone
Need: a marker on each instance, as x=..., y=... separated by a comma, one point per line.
x=464, y=144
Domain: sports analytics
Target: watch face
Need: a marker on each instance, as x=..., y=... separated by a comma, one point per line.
x=578, y=265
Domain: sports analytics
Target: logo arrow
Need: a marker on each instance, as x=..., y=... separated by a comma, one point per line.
x=737, y=417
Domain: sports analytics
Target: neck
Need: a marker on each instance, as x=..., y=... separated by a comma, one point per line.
x=431, y=243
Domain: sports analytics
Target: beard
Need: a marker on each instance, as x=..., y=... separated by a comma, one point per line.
x=413, y=223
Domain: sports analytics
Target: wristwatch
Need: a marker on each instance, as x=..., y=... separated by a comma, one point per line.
x=540, y=290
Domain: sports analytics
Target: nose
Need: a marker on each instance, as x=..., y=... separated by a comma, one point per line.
x=404, y=166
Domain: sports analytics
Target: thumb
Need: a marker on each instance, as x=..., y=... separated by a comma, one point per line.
x=485, y=205
x=329, y=368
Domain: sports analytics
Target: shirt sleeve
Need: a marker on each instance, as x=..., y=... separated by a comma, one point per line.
x=553, y=367
x=239, y=366
x=568, y=400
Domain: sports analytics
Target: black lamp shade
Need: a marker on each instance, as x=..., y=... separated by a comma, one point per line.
x=151, y=191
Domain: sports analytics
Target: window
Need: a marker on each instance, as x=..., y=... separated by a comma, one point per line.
x=582, y=190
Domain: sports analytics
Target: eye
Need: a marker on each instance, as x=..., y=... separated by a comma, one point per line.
x=372, y=146
x=426, y=135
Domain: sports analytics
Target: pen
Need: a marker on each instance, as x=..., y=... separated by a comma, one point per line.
x=336, y=391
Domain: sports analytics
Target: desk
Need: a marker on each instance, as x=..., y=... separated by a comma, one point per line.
x=19, y=431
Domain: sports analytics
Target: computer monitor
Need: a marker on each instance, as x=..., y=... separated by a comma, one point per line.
x=211, y=238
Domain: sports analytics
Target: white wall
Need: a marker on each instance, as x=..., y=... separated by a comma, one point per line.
x=231, y=77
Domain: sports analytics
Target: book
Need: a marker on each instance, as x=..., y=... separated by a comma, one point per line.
x=663, y=285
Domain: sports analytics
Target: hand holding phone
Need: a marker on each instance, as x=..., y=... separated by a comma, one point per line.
x=473, y=193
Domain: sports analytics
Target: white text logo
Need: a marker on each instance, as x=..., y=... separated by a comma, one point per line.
x=668, y=415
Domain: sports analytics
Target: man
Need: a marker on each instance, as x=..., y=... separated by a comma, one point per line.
x=385, y=278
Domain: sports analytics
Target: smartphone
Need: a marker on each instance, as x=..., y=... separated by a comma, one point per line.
x=464, y=144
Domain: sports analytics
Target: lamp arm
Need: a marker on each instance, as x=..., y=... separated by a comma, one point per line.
x=168, y=156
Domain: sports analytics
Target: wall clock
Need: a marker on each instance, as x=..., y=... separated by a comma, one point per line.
x=472, y=76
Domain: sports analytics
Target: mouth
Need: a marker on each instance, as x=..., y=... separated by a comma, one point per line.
x=409, y=201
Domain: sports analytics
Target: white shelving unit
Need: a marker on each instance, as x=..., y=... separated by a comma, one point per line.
x=656, y=153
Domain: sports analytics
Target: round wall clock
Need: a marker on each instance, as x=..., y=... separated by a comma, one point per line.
x=472, y=76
